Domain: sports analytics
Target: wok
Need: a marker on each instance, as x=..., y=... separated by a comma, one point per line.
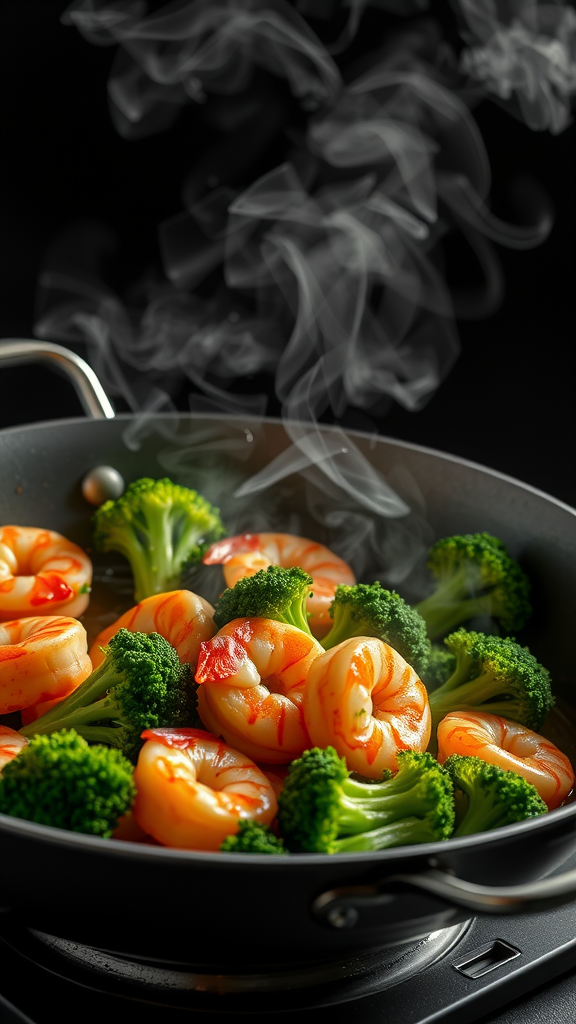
x=241, y=910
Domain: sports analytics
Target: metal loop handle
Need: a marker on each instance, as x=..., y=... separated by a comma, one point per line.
x=365, y=905
x=94, y=399
x=527, y=898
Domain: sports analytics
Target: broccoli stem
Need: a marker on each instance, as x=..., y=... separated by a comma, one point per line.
x=342, y=628
x=184, y=536
x=295, y=616
x=469, y=696
x=87, y=703
x=364, y=806
x=154, y=569
x=406, y=831
x=480, y=818
x=449, y=606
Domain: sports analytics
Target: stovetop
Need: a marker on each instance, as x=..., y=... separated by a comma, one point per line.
x=517, y=969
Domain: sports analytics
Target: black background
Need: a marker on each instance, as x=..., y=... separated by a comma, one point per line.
x=509, y=402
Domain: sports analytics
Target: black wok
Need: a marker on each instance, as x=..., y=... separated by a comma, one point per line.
x=240, y=910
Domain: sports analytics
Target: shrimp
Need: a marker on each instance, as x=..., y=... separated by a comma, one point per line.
x=510, y=746
x=41, y=573
x=183, y=618
x=363, y=699
x=11, y=743
x=36, y=710
x=42, y=658
x=251, y=677
x=246, y=553
x=192, y=790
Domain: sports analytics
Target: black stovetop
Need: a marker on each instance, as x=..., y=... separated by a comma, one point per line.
x=492, y=970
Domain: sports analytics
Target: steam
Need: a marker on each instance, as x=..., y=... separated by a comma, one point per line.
x=190, y=49
x=525, y=56
x=329, y=263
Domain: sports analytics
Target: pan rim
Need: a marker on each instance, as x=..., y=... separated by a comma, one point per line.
x=79, y=840
x=279, y=421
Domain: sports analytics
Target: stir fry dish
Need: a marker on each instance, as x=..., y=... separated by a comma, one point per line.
x=303, y=712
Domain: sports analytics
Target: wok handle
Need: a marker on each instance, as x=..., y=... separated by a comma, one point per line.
x=94, y=399
x=365, y=905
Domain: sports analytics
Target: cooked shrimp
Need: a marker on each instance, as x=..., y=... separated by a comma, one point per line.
x=11, y=743
x=41, y=573
x=252, y=675
x=183, y=618
x=364, y=700
x=41, y=658
x=510, y=746
x=246, y=553
x=36, y=710
x=192, y=790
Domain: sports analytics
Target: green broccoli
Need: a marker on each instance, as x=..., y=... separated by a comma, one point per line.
x=161, y=528
x=475, y=578
x=273, y=593
x=140, y=685
x=492, y=797
x=253, y=837
x=63, y=781
x=493, y=674
x=367, y=609
x=322, y=809
x=441, y=665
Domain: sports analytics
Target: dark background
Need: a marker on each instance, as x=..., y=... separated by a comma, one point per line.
x=509, y=402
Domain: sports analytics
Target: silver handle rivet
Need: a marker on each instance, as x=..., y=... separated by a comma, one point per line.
x=102, y=483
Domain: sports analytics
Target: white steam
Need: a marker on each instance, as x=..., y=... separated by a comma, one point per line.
x=524, y=54
x=331, y=273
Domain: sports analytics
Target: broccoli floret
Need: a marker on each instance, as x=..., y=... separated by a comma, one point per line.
x=440, y=667
x=141, y=684
x=493, y=674
x=161, y=528
x=492, y=796
x=322, y=809
x=273, y=593
x=475, y=578
x=253, y=837
x=367, y=609
x=63, y=781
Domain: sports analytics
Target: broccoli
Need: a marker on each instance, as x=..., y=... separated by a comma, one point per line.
x=475, y=578
x=273, y=593
x=253, y=837
x=492, y=796
x=63, y=781
x=140, y=685
x=322, y=809
x=441, y=664
x=367, y=609
x=161, y=528
x=493, y=674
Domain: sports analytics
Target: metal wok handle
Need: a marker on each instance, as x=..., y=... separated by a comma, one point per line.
x=365, y=905
x=94, y=399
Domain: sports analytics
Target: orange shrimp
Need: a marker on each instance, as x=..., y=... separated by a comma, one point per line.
x=192, y=790
x=182, y=617
x=41, y=658
x=41, y=573
x=510, y=746
x=252, y=675
x=11, y=743
x=363, y=699
x=246, y=553
x=37, y=710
